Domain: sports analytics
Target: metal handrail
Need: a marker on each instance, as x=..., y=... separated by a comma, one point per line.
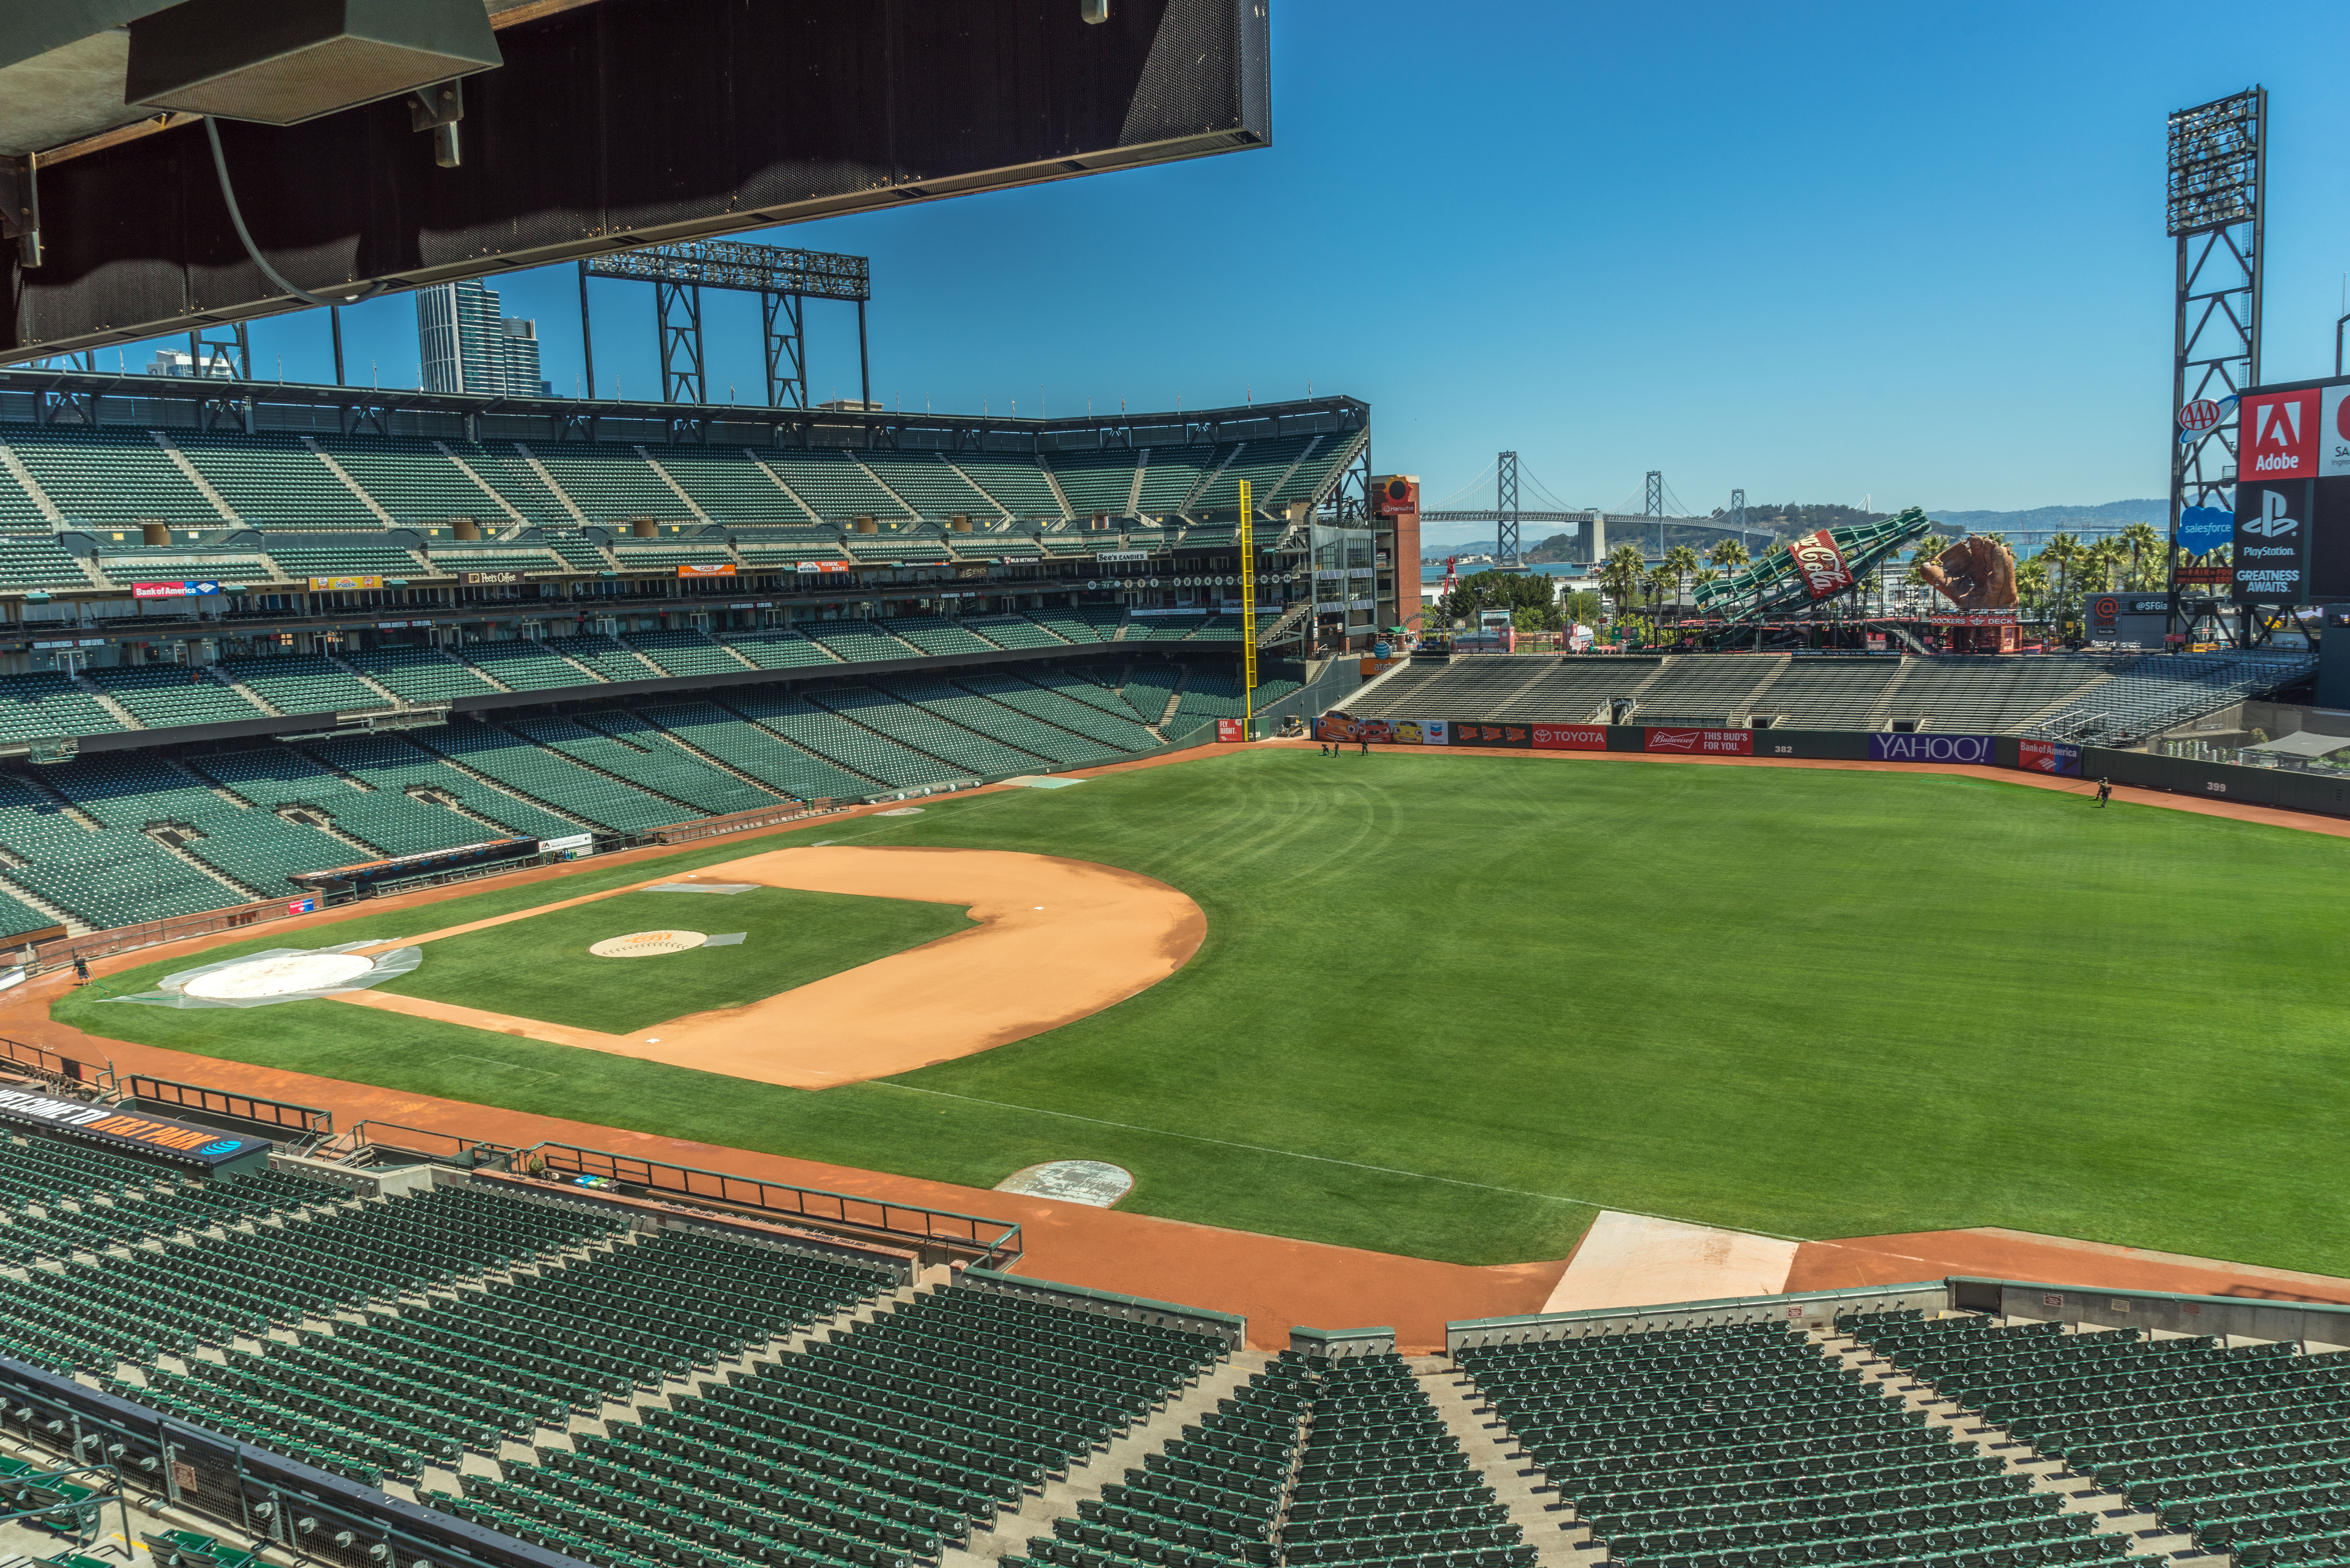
x=996, y=1242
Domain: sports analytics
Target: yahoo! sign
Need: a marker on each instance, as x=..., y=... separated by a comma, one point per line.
x=1974, y=749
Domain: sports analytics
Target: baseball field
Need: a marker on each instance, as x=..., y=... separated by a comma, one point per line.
x=1449, y=1005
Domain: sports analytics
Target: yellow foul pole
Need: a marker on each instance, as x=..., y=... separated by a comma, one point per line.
x=1248, y=614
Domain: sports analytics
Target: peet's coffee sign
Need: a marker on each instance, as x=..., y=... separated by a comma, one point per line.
x=205, y=1149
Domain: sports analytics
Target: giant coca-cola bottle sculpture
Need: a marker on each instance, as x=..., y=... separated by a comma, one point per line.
x=1814, y=566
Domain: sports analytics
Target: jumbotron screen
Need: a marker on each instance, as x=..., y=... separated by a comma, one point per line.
x=2293, y=493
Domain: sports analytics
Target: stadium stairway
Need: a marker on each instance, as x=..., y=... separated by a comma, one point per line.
x=1008, y=1536
x=1545, y=1523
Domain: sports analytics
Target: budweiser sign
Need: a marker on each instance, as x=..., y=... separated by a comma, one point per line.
x=1821, y=564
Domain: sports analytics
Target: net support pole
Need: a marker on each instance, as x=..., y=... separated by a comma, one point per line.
x=1248, y=614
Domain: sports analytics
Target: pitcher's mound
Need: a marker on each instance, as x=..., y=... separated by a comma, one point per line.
x=279, y=976
x=645, y=944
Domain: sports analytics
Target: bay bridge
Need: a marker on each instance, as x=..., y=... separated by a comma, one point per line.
x=1590, y=524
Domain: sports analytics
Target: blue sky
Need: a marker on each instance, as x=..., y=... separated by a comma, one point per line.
x=1823, y=252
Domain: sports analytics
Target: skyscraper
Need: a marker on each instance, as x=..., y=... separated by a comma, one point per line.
x=467, y=347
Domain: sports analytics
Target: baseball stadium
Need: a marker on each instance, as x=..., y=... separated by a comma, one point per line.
x=675, y=985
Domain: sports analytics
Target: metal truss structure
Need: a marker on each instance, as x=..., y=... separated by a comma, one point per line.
x=783, y=280
x=1505, y=510
x=2217, y=212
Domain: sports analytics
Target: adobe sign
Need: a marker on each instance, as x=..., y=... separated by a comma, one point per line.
x=2279, y=436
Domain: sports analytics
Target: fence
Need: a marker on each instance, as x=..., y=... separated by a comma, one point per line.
x=994, y=1243
x=41, y=1062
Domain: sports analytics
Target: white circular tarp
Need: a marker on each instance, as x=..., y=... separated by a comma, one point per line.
x=280, y=976
x=645, y=944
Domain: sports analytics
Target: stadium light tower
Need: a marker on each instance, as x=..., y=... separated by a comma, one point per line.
x=785, y=281
x=1505, y=510
x=2217, y=211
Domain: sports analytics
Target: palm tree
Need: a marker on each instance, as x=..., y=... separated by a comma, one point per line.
x=1928, y=546
x=1681, y=561
x=1659, y=578
x=1620, y=575
x=2146, y=556
x=1729, y=555
x=2031, y=582
x=2061, y=556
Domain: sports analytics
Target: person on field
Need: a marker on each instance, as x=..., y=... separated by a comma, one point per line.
x=81, y=969
x=2104, y=792
x=1366, y=746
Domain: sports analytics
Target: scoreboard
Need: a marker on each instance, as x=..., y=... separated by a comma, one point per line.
x=2292, y=542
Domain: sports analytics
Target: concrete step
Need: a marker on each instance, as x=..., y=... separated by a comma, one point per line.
x=1542, y=1516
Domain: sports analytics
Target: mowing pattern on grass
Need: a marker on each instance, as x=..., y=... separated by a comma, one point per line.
x=540, y=967
x=1446, y=1004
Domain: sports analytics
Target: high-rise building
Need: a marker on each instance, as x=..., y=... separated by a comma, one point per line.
x=467, y=347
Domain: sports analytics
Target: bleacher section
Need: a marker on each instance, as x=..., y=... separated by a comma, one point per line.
x=731, y=486
x=2075, y=696
x=33, y=705
x=418, y=674
x=683, y=652
x=925, y=732
x=610, y=483
x=274, y=482
x=762, y=753
x=109, y=479
x=162, y=695
x=2241, y=1446
x=832, y=485
x=412, y=480
x=384, y=819
x=519, y=664
x=1701, y=1448
x=393, y=766
x=546, y=775
x=835, y=739
x=302, y=683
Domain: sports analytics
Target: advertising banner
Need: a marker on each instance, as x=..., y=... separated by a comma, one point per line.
x=1493, y=735
x=1819, y=563
x=1702, y=742
x=1973, y=617
x=206, y=1149
x=1885, y=748
x=2278, y=435
x=568, y=841
x=2205, y=576
x=1423, y=733
x=2048, y=757
x=301, y=906
x=488, y=579
x=343, y=585
x=725, y=569
x=2334, y=431
x=2272, y=555
x=1229, y=730
x=1570, y=737
x=173, y=590
x=821, y=567
x=1337, y=725
x=1399, y=495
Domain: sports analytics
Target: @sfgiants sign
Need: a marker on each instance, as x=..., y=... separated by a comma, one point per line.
x=204, y=1149
x=1820, y=565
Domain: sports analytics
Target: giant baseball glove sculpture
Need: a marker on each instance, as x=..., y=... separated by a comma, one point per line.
x=1973, y=574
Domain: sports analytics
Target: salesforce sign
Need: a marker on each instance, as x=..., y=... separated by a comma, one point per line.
x=1975, y=749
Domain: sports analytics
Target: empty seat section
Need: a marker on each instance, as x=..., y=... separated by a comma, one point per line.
x=1014, y=727
x=385, y=820
x=1697, y=1447
x=1083, y=623
x=1012, y=631
x=1709, y=689
x=542, y=774
x=110, y=478
x=129, y=792
x=455, y=562
x=33, y=705
x=610, y=483
x=417, y=673
x=1263, y=463
x=163, y=695
x=784, y=550
x=978, y=755
x=857, y=641
x=394, y=766
x=1096, y=687
x=37, y=562
x=1018, y=486
x=2149, y=695
x=934, y=634
x=832, y=485
x=301, y=562
x=2243, y=1446
x=1054, y=709
x=124, y=567
x=779, y=649
x=301, y=683
x=682, y=652
x=274, y=480
x=1829, y=693
x=1173, y=474
x=607, y=657
x=1095, y=482
x=764, y=755
x=1319, y=469
x=415, y=480
x=729, y=485
x=852, y=746
x=931, y=486
x=1149, y=626
x=507, y=470
x=619, y=742
x=520, y=664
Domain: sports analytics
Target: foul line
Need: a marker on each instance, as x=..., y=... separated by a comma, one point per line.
x=1327, y=1159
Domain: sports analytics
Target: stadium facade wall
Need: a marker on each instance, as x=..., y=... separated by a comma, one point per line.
x=2327, y=796
x=1227, y=1326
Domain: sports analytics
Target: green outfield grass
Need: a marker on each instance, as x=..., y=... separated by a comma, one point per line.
x=1446, y=1005
x=540, y=967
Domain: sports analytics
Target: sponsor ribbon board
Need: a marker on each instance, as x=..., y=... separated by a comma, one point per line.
x=820, y=567
x=187, y=590
x=204, y=1149
x=488, y=579
x=2048, y=757
x=344, y=584
x=1921, y=748
x=1570, y=737
x=1701, y=743
x=1821, y=564
x=725, y=569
